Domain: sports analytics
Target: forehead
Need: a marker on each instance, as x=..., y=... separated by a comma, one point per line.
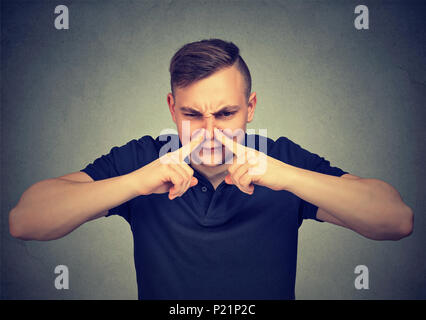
x=224, y=87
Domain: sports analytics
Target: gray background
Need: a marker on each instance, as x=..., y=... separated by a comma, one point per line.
x=355, y=97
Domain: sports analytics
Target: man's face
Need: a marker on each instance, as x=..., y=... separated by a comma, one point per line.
x=218, y=101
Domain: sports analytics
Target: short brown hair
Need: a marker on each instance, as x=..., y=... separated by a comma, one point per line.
x=198, y=60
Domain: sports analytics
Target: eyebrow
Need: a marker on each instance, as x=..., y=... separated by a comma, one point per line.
x=227, y=108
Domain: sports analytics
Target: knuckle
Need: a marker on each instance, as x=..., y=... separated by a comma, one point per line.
x=243, y=183
x=186, y=174
x=246, y=182
x=252, y=161
x=165, y=168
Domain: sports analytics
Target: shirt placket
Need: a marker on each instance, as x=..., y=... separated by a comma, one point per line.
x=209, y=194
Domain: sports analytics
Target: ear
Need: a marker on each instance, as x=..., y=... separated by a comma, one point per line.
x=251, y=106
x=171, y=103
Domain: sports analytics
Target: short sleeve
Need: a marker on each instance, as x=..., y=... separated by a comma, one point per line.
x=295, y=155
x=120, y=161
x=319, y=164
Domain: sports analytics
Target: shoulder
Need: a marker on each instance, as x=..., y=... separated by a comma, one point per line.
x=145, y=144
x=152, y=146
x=135, y=153
x=278, y=147
x=288, y=151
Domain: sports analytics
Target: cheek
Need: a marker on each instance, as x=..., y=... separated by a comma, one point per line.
x=239, y=120
x=186, y=127
x=184, y=130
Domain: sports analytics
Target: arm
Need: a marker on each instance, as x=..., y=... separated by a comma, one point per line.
x=52, y=208
x=370, y=207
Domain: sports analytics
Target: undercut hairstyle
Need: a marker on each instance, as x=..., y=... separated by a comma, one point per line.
x=198, y=60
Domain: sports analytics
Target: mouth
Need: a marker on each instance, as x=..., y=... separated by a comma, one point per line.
x=213, y=150
x=208, y=146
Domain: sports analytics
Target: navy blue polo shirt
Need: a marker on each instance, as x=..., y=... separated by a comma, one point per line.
x=213, y=244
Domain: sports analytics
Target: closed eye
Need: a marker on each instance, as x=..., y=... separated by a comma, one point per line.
x=225, y=114
x=191, y=115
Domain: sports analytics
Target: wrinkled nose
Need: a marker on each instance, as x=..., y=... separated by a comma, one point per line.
x=209, y=125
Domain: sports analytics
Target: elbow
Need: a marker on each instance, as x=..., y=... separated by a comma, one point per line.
x=25, y=231
x=402, y=227
x=406, y=224
x=16, y=228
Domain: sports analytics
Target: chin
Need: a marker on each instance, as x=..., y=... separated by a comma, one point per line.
x=206, y=161
x=210, y=164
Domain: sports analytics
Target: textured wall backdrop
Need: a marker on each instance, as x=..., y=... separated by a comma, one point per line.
x=355, y=97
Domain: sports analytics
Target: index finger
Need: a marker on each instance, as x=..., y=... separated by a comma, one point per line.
x=236, y=148
x=190, y=146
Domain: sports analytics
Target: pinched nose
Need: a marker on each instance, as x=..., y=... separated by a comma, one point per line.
x=213, y=141
x=209, y=132
x=209, y=138
x=210, y=144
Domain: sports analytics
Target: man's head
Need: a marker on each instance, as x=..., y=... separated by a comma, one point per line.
x=211, y=88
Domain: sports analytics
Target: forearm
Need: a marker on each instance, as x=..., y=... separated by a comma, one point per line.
x=368, y=206
x=52, y=208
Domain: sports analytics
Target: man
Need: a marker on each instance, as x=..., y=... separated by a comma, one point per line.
x=213, y=218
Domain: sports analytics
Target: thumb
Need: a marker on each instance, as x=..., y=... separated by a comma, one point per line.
x=194, y=182
x=228, y=179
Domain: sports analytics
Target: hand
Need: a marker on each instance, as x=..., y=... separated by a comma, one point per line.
x=169, y=173
x=250, y=167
